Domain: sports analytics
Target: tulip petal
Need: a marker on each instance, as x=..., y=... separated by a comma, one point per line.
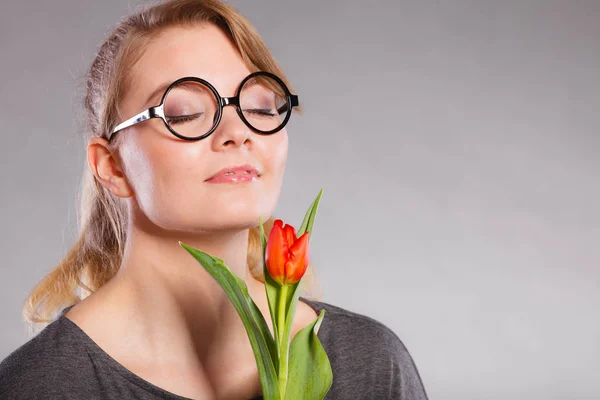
x=299, y=254
x=276, y=253
x=290, y=234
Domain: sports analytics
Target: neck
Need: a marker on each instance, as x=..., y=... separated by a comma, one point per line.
x=167, y=293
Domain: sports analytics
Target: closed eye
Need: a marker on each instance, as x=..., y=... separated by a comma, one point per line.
x=260, y=111
x=174, y=119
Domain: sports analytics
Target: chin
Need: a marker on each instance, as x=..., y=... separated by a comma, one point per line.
x=240, y=215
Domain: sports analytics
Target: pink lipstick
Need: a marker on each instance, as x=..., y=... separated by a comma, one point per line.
x=235, y=174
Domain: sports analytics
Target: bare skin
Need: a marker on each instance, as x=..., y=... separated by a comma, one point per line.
x=163, y=316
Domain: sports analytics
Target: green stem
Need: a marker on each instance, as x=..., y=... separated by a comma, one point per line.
x=283, y=341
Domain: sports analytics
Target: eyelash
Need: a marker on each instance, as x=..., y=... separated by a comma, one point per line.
x=261, y=111
x=182, y=118
x=187, y=118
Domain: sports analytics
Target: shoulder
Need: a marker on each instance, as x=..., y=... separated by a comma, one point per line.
x=358, y=330
x=41, y=365
x=367, y=351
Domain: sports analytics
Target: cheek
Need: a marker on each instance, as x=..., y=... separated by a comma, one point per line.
x=277, y=155
x=274, y=160
x=162, y=174
x=137, y=163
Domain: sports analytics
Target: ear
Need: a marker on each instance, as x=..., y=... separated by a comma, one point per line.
x=106, y=168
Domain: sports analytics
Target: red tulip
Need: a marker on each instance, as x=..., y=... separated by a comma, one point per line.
x=286, y=256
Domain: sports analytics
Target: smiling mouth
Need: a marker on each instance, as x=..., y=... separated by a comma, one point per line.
x=235, y=177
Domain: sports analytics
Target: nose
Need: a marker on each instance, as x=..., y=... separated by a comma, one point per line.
x=231, y=131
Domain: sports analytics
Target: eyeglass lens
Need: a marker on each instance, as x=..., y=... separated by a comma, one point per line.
x=191, y=108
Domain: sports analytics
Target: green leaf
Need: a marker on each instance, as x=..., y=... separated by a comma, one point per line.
x=309, y=218
x=262, y=342
x=310, y=375
x=307, y=225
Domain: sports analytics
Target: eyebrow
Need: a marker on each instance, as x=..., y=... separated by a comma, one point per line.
x=160, y=89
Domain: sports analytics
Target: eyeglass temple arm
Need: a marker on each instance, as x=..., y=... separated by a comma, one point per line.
x=144, y=115
x=294, y=99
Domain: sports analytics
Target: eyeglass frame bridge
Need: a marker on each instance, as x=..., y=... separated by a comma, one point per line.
x=158, y=110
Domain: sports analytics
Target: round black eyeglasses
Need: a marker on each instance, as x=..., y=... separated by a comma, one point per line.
x=191, y=108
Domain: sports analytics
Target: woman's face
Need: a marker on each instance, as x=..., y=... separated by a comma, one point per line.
x=169, y=175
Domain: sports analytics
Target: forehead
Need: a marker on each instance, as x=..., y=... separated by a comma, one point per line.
x=203, y=51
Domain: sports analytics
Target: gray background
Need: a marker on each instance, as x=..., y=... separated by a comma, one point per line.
x=457, y=145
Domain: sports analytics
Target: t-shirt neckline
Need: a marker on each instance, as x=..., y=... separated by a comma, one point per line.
x=137, y=380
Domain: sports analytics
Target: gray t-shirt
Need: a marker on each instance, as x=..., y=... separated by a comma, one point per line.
x=62, y=362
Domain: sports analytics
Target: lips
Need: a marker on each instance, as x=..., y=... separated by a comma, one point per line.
x=246, y=170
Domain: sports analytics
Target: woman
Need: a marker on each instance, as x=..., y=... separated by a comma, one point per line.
x=156, y=325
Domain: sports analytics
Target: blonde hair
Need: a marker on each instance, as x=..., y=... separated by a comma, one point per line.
x=97, y=253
